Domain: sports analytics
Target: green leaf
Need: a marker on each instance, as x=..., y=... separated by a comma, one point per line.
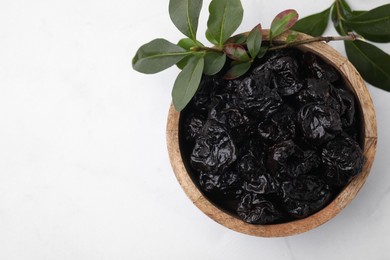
x=187, y=82
x=262, y=52
x=314, y=25
x=254, y=40
x=181, y=64
x=157, y=55
x=236, y=52
x=213, y=62
x=225, y=17
x=210, y=38
x=371, y=62
x=185, y=15
x=237, y=70
x=373, y=25
x=340, y=12
x=356, y=13
x=282, y=22
x=238, y=39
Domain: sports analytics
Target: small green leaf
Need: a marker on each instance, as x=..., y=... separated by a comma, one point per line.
x=187, y=82
x=185, y=15
x=237, y=39
x=237, y=70
x=314, y=25
x=186, y=43
x=225, y=17
x=236, y=52
x=373, y=25
x=262, y=52
x=181, y=64
x=282, y=22
x=254, y=40
x=371, y=62
x=210, y=38
x=213, y=62
x=157, y=55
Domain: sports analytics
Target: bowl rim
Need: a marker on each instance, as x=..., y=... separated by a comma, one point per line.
x=369, y=134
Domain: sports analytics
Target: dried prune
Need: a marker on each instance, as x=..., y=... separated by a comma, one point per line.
x=279, y=126
x=320, y=69
x=319, y=123
x=255, y=209
x=346, y=106
x=342, y=159
x=228, y=184
x=286, y=159
x=304, y=195
x=286, y=79
x=261, y=184
x=193, y=126
x=226, y=112
x=316, y=91
x=214, y=150
x=257, y=100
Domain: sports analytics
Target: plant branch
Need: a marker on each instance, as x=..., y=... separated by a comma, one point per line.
x=349, y=37
x=203, y=48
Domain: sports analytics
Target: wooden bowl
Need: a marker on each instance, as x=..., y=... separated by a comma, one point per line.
x=356, y=84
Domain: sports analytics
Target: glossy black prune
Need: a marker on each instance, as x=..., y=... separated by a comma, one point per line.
x=228, y=184
x=214, y=150
x=346, y=106
x=193, y=126
x=261, y=184
x=255, y=209
x=258, y=100
x=276, y=144
x=286, y=80
x=342, y=159
x=286, y=160
x=304, y=195
x=279, y=126
x=320, y=69
x=319, y=123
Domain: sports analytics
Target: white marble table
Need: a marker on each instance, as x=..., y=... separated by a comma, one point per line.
x=84, y=171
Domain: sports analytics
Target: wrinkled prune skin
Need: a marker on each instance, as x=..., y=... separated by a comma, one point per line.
x=228, y=184
x=261, y=184
x=258, y=100
x=346, y=106
x=316, y=91
x=193, y=126
x=305, y=195
x=280, y=126
x=287, y=80
x=286, y=160
x=255, y=209
x=225, y=111
x=342, y=159
x=276, y=144
x=214, y=150
x=320, y=69
x=319, y=123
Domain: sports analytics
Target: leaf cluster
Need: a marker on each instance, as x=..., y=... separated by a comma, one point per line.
x=374, y=25
x=194, y=58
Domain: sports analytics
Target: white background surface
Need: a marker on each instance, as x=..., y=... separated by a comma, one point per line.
x=84, y=171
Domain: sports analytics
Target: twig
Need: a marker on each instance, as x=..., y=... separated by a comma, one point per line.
x=349, y=37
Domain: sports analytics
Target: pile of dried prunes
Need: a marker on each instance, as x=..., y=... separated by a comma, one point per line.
x=278, y=143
